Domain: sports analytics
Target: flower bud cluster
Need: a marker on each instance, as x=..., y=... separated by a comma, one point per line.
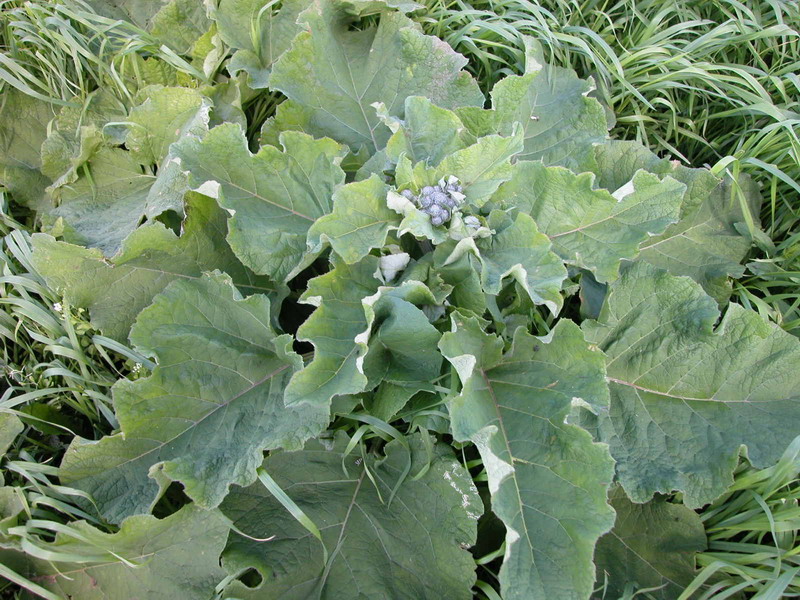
x=438, y=201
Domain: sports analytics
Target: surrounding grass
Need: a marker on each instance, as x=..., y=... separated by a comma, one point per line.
x=698, y=79
x=753, y=539
x=708, y=82
x=58, y=51
x=56, y=370
x=56, y=374
x=50, y=352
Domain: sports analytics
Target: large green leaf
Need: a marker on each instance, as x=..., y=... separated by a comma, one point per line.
x=23, y=129
x=428, y=133
x=651, y=546
x=389, y=398
x=165, y=115
x=590, y=228
x=116, y=290
x=118, y=187
x=174, y=557
x=336, y=73
x=274, y=196
x=483, y=166
x=412, y=548
x=102, y=209
x=289, y=116
x=519, y=251
x=258, y=33
x=180, y=23
x=402, y=347
x=460, y=273
x=615, y=162
x=705, y=243
x=12, y=504
x=333, y=328
x=177, y=24
x=210, y=408
x=560, y=121
x=360, y=221
x=77, y=132
x=548, y=479
x=686, y=396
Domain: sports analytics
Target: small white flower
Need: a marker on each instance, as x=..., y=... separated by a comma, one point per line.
x=472, y=222
x=137, y=367
x=57, y=307
x=392, y=264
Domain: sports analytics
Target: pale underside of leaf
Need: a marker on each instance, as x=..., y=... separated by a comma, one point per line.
x=548, y=480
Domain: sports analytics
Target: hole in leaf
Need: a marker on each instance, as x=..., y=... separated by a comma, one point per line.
x=293, y=313
x=251, y=578
x=172, y=501
x=363, y=22
x=172, y=220
x=257, y=110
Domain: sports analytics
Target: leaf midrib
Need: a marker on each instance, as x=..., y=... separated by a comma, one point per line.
x=340, y=539
x=208, y=414
x=643, y=559
x=670, y=395
x=181, y=275
x=264, y=199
